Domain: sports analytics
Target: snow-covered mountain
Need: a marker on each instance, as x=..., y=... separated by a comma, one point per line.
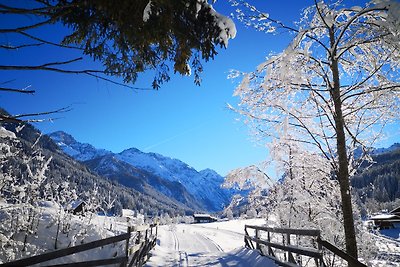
x=152, y=185
x=381, y=150
x=79, y=151
x=204, y=186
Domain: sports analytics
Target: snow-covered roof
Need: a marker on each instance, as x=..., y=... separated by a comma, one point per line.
x=384, y=217
x=128, y=213
x=74, y=204
x=201, y=215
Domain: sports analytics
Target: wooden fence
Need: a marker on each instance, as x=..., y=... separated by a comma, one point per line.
x=293, y=247
x=138, y=250
x=139, y=241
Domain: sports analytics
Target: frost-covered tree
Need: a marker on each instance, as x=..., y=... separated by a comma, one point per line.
x=21, y=179
x=251, y=213
x=251, y=179
x=333, y=89
x=229, y=213
x=308, y=197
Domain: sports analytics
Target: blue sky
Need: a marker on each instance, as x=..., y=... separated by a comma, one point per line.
x=181, y=120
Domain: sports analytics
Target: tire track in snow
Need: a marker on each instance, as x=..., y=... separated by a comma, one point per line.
x=183, y=256
x=214, y=243
x=176, y=241
x=221, y=230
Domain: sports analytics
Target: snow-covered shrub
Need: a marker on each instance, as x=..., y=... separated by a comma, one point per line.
x=251, y=213
x=36, y=213
x=229, y=214
x=21, y=179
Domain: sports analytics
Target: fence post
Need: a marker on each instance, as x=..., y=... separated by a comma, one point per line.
x=283, y=243
x=257, y=243
x=298, y=256
x=290, y=255
x=138, y=237
x=321, y=260
x=288, y=243
x=270, y=252
x=127, y=246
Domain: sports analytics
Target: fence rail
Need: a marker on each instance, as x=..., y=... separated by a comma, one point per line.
x=145, y=239
x=289, y=247
x=139, y=242
x=278, y=244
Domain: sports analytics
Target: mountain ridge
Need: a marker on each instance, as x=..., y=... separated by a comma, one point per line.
x=203, y=186
x=63, y=168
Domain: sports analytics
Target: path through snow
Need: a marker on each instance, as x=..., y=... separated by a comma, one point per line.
x=215, y=244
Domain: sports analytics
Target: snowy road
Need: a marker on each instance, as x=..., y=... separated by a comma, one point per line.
x=202, y=245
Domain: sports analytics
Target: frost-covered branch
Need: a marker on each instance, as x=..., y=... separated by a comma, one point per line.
x=353, y=19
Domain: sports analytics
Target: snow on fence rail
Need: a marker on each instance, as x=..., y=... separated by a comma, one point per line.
x=293, y=247
x=137, y=249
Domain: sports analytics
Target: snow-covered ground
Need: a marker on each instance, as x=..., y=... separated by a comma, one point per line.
x=210, y=244
x=389, y=249
x=214, y=244
x=222, y=244
x=57, y=230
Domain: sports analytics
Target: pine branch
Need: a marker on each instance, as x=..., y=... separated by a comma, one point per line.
x=93, y=73
x=10, y=47
x=23, y=91
x=28, y=27
x=48, y=42
x=4, y=9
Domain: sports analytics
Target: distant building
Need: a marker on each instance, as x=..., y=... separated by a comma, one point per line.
x=77, y=207
x=128, y=213
x=203, y=218
x=132, y=216
x=387, y=220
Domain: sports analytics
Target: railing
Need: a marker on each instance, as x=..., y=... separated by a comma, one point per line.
x=137, y=249
x=278, y=244
x=336, y=251
x=144, y=240
x=293, y=247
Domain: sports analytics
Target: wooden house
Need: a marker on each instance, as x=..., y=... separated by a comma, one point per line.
x=77, y=207
x=387, y=220
x=203, y=218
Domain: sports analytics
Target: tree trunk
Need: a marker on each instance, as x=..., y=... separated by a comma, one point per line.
x=343, y=170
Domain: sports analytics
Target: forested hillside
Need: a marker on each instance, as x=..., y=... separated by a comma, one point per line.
x=63, y=170
x=378, y=186
x=151, y=173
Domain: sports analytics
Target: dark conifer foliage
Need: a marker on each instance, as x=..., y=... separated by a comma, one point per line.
x=380, y=183
x=127, y=37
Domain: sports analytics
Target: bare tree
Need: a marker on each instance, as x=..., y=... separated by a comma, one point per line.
x=333, y=89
